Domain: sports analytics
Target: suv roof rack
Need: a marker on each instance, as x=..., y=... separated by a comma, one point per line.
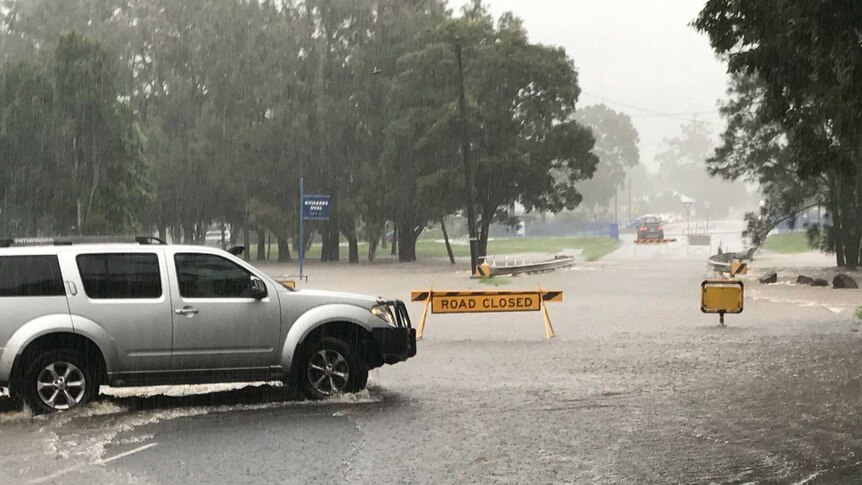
x=69, y=241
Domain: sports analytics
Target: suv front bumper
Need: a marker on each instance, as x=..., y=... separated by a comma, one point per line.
x=398, y=343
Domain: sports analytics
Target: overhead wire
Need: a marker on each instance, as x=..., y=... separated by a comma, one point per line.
x=654, y=113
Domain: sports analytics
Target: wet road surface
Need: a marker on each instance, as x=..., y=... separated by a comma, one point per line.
x=639, y=387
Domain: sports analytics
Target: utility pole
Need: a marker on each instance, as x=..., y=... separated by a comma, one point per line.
x=629, y=176
x=468, y=165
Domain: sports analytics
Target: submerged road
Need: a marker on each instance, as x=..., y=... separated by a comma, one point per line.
x=639, y=387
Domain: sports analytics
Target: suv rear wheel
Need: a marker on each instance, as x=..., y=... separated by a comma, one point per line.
x=58, y=380
x=330, y=367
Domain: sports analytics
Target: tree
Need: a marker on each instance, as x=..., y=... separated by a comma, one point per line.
x=617, y=149
x=683, y=170
x=806, y=60
x=523, y=144
x=69, y=123
x=756, y=149
x=26, y=149
x=210, y=111
x=526, y=146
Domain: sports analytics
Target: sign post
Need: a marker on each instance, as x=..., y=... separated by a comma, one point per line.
x=301, y=225
x=311, y=208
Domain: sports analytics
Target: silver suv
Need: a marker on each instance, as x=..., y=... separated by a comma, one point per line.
x=76, y=316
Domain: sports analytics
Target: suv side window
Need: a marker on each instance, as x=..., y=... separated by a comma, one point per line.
x=211, y=276
x=30, y=276
x=114, y=276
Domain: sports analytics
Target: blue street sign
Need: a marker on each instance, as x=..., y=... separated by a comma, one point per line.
x=315, y=207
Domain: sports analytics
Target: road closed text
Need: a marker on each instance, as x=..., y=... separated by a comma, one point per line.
x=511, y=302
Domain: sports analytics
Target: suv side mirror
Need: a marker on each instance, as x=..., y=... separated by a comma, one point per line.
x=258, y=289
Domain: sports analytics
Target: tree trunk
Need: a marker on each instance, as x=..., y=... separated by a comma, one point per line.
x=246, y=241
x=484, y=231
x=348, y=228
x=353, y=248
x=261, y=245
x=309, y=240
x=446, y=239
x=268, y=246
x=283, y=244
x=329, y=250
x=394, y=248
x=163, y=232
x=188, y=233
x=372, y=247
x=837, y=237
x=406, y=244
x=204, y=227
x=234, y=235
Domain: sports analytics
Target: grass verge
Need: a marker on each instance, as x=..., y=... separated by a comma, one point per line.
x=794, y=242
x=495, y=281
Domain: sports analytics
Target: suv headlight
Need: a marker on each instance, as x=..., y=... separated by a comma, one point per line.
x=382, y=312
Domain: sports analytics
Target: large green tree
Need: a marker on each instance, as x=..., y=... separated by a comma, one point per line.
x=617, y=149
x=72, y=147
x=806, y=59
x=514, y=132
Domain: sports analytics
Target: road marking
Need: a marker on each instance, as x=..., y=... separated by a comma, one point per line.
x=127, y=453
x=60, y=473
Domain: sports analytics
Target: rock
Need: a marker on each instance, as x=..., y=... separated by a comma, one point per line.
x=769, y=278
x=820, y=282
x=843, y=281
x=804, y=280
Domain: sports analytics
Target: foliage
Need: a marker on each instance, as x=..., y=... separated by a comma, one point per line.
x=72, y=149
x=172, y=116
x=616, y=147
x=797, y=67
x=684, y=170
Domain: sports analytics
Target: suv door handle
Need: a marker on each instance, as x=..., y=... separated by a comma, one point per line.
x=187, y=311
x=73, y=290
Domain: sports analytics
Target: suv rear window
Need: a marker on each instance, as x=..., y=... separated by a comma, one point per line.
x=116, y=276
x=30, y=276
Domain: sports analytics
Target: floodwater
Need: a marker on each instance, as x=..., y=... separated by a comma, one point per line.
x=638, y=387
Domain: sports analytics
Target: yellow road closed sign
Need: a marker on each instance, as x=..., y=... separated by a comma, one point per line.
x=486, y=302
x=475, y=302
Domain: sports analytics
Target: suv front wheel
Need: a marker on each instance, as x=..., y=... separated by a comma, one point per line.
x=58, y=380
x=331, y=367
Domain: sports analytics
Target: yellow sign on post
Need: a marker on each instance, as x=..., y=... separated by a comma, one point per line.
x=486, y=302
x=722, y=297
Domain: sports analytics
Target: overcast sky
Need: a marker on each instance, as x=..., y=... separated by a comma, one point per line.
x=639, y=57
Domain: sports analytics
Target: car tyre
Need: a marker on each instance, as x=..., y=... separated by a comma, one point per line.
x=58, y=380
x=331, y=366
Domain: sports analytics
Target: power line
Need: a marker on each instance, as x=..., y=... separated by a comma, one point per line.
x=652, y=113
